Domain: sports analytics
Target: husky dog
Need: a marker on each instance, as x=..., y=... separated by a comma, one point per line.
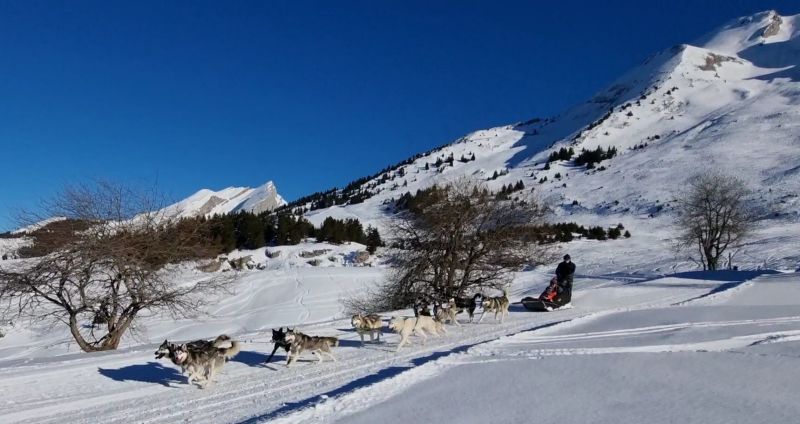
x=468, y=304
x=221, y=342
x=447, y=311
x=421, y=307
x=201, y=359
x=279, y=339
x=418, y=325
x=317, y=345
x=497, y=304
x=371, y=324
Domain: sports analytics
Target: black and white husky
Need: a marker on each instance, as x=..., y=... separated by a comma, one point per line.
x=200, y=359
x=468, y=304
x=317, y=345
x=279, y=340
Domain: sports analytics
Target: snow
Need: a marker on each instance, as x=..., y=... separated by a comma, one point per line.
x=35, y=226
x=10, y=246
x=626, y=312
x=232, y=199
x=649, y=339
x=675, y=364
x=290, y=291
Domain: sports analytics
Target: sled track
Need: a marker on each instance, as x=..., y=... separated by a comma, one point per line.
x=253, y=392
x=229, y=395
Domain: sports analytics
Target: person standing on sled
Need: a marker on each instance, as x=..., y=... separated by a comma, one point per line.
x=560, y=289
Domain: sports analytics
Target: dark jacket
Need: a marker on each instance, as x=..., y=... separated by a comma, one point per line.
x=565, y=272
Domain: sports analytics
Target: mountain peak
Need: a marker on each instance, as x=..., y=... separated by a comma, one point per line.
x=745, y=32
x=206, y=202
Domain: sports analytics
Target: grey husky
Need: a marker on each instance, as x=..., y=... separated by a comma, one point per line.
x=499, y=305
x=201, y=359
x=316, y=344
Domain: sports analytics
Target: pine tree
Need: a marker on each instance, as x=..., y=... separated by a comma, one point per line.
x=373, y=240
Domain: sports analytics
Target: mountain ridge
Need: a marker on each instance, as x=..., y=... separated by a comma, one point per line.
x=684, y=109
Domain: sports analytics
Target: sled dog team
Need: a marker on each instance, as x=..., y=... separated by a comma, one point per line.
x=201, y=360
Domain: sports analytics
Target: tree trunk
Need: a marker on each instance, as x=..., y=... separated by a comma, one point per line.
x=76, y=334
x=115, y=336
x=109, y=342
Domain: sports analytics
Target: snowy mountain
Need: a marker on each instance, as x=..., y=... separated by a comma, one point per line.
x=727, y=101
x=232, y=199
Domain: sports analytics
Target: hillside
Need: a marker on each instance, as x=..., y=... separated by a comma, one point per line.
x=727, y=101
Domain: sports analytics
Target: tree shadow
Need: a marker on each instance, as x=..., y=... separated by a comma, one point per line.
x=151, y=372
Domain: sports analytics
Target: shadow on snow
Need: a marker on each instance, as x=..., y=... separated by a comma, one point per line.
x=151, y=372
x=368, y=380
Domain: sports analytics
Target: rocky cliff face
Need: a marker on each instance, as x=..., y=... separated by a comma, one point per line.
x=232, y=199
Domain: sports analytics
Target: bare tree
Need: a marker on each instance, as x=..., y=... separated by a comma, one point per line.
x=458, y=238
x=713, y=216
x=114, y=264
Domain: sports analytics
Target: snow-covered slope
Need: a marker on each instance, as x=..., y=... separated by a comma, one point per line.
x=728, y=101
x=689, y=339
x=232, y=199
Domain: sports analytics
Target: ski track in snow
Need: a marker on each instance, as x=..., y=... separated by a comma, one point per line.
x=302, y=293
x=252, y=391
x=734, y=336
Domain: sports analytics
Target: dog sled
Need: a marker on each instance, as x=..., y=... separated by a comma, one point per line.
x=539, y=305
x=553, y=297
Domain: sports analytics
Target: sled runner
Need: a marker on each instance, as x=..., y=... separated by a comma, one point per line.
x=538, y=305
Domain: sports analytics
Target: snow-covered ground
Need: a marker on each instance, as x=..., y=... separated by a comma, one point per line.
x=729, y=358
x=641, y=319
x=638, y=335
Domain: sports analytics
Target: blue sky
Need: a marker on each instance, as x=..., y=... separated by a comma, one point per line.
x=311, y=95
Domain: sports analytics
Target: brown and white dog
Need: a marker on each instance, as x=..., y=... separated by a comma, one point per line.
x=498, y=304
x=371, y=324
x=446, y=312
x=300, y=342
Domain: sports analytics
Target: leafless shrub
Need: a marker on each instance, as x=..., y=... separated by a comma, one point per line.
x=713, y=216
x=456, y=240
x=108, y=265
